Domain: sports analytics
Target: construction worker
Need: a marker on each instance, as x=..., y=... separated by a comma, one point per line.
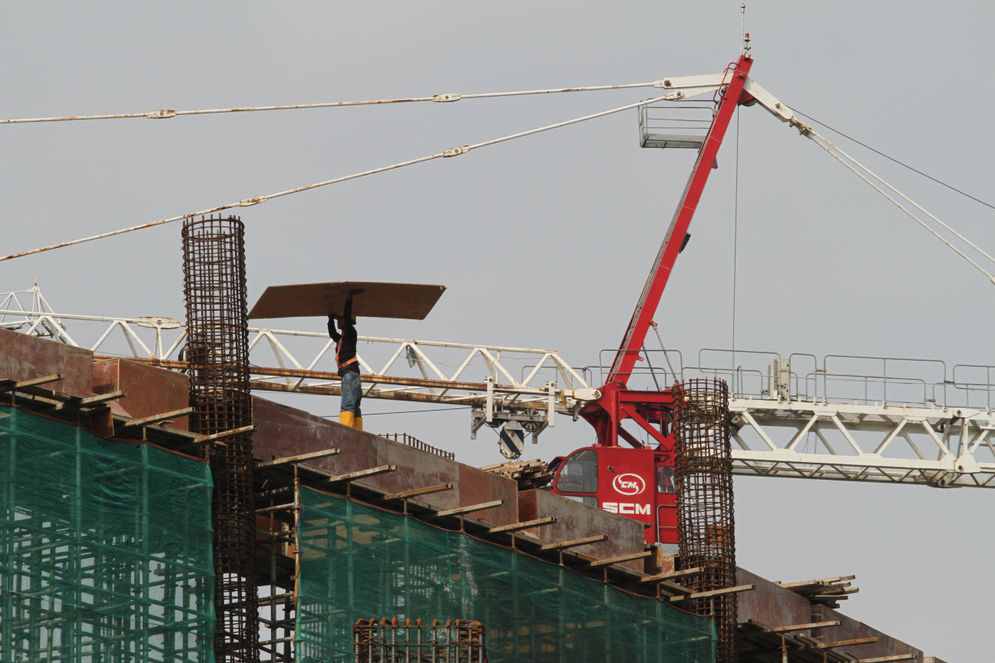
x=348, y=365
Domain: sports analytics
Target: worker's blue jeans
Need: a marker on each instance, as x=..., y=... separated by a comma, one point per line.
x=352, y=392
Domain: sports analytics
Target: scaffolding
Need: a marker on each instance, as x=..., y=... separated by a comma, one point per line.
x=105, y=547
x=360, y=562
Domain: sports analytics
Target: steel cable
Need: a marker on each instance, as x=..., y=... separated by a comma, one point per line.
x=852, y=164
x=248, y=202
x=165, y=113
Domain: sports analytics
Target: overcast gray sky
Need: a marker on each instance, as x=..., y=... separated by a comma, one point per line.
x=545, y=242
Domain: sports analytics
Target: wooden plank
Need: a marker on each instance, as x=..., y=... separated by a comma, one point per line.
x=277, y=507
x=815, y=583
x=469, y=509
x=835, y=596
x=847, y=643
x=120, y=421
x=287, y=597
x=8, y=384
x=802, y=627
x=674, y=587
x=887, y=659
x=298, y=458
x=156, y=418
x=713, y=592
x=373, y=300
x=514, y=527
x=76, y=402
x=414, y=492
x=572, y=543
x=621, y=558
x=672, y=574
x=359, y=474
x=224, y=434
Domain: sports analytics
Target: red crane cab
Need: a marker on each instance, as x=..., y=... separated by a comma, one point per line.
x=636, y=483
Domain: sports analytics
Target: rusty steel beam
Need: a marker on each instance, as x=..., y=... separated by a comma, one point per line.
x=373, y=380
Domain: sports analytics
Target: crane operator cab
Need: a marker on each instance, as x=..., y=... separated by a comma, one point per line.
x=636, y=483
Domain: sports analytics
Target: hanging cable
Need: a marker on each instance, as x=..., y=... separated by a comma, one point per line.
x=894, y=160
x=852, y=164
x=248, y=202
x=165, y=114
x=735, y=236
x=913, y=203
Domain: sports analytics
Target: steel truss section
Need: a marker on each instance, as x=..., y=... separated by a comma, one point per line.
x=940, y=447
x=802, y=434
x=495, y=378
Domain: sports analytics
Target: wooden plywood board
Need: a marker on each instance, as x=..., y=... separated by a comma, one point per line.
x=371, y=300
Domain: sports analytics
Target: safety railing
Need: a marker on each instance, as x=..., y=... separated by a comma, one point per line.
x=859, y=379
x=415, y=443
x=675, y=124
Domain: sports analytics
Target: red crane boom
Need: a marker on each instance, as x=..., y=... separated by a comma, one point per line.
x=649, y=409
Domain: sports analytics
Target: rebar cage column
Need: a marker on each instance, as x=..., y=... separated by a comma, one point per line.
x=455, y=641
x=705, y=523
x=217, y=350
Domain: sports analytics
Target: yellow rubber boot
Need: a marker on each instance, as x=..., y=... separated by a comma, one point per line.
x=358, y=423
x=347, y=418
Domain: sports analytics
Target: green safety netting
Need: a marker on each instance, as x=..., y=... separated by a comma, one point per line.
x=105, y=548
x=361, y=563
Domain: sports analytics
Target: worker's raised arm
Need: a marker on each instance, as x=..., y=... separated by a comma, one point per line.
x=347, y=320
x=331, y=329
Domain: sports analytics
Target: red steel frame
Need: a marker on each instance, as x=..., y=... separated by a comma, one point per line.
x=651, y=409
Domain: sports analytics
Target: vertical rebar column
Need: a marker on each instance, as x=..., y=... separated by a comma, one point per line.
x=705, y=523
x=218, y=356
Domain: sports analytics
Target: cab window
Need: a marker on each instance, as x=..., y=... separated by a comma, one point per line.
x=665, y=480
x=579, y=473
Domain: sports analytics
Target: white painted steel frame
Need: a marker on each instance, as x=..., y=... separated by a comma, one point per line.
x=941, y=445
x=474, y=364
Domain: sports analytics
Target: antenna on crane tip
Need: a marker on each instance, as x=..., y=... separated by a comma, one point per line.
x=742, y=29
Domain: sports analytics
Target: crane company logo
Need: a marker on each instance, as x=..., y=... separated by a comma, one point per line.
x=629, y=484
